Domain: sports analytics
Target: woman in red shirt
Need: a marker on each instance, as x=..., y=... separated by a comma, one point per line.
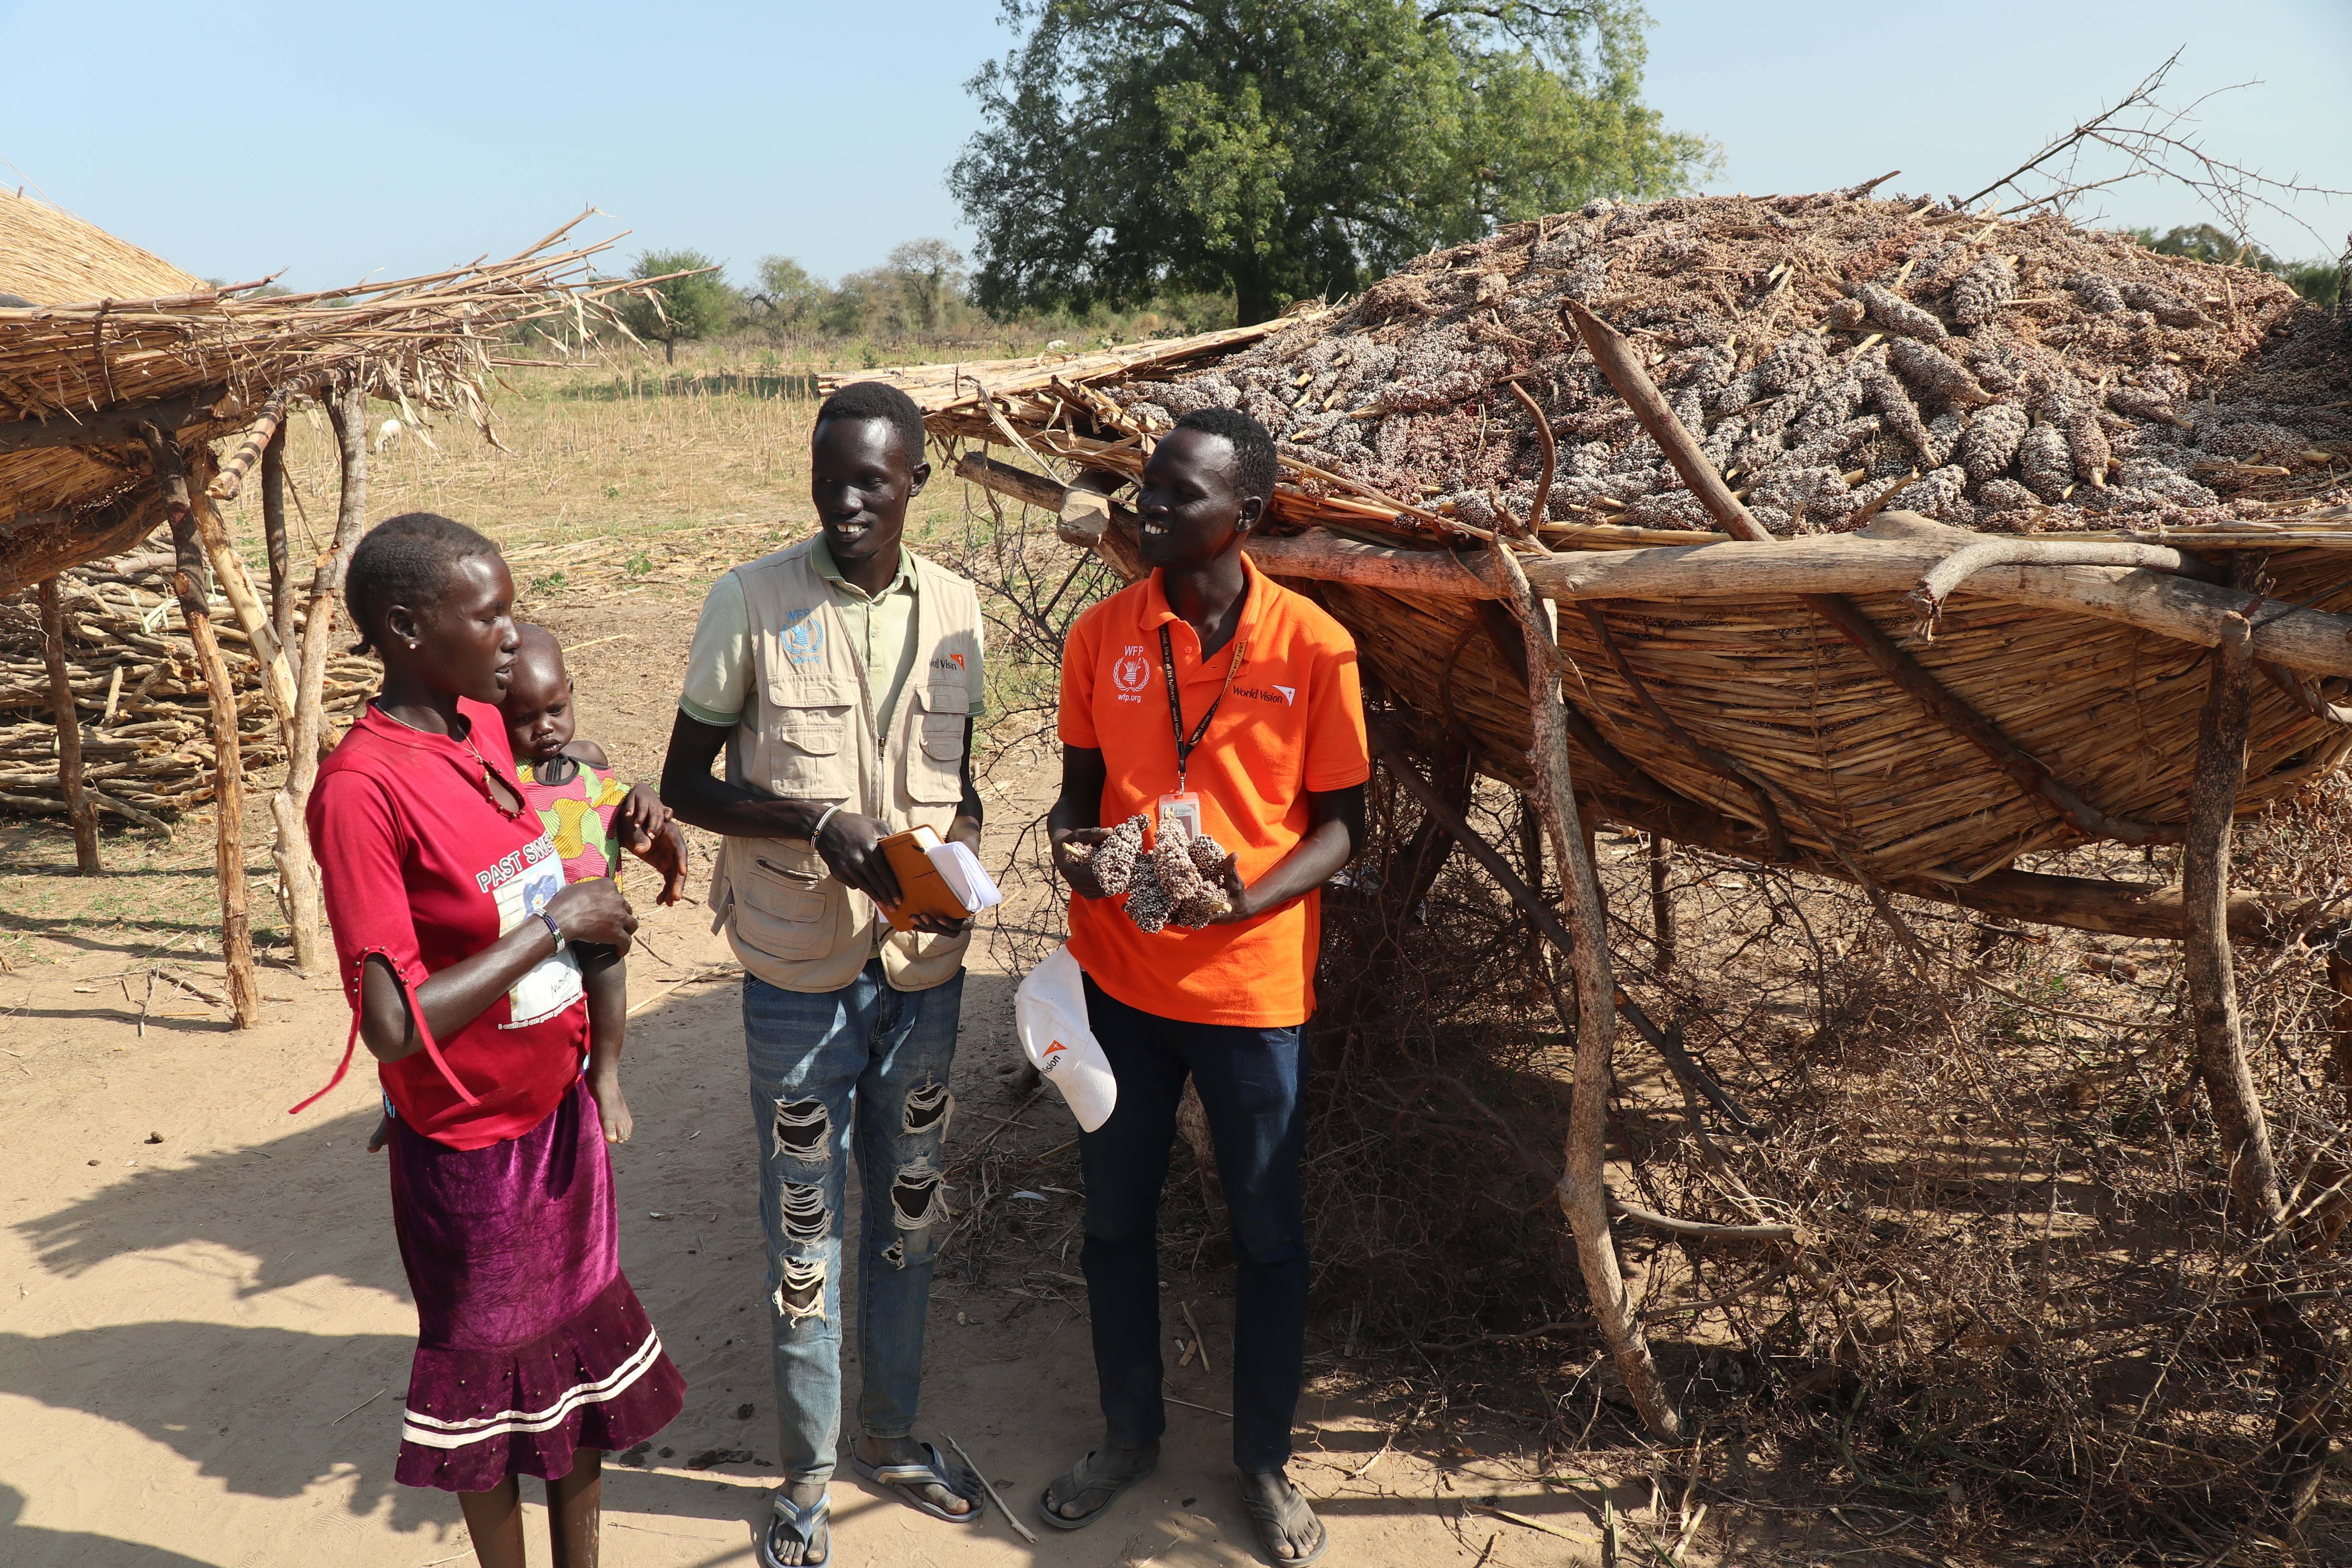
x=454, y=929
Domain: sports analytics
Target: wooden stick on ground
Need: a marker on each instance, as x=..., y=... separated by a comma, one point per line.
x=2219, y=1035
x=1584, y=1196
x=79, y=810
x=1011, y=1517
x=228, y=763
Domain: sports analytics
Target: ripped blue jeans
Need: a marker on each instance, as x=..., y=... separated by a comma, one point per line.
x=873, y=1059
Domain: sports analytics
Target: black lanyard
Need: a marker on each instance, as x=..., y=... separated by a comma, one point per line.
x=1184, y=747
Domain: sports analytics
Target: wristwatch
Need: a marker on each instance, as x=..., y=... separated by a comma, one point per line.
x=553, y=929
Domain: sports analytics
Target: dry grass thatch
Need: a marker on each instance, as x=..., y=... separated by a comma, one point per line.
x=86, y=361
x=48, y=256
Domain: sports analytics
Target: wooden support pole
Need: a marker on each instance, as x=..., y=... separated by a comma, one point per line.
x=2217, y=1033
x=275, y=540
x=228, y=761
x=81, y=811
x=256, y=439
x=298, y=872
x=1662, y=901
x=237, y=586
x=1583, y=1194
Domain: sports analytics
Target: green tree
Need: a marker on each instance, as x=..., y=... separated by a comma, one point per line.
x=788, y=298
x=2321, y=282
x=931, y=275
x=1279, y=149
x=2203, y=242
x=679, y=310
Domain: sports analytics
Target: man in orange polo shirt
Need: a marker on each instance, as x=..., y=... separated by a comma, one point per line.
x=1206, y=688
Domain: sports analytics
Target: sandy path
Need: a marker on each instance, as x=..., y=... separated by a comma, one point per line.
x=204, y=1339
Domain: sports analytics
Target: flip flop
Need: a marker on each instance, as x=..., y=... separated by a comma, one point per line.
x=806, y=1523
x=904, y=1478
x=1083, y=1483
x=1268, y=1517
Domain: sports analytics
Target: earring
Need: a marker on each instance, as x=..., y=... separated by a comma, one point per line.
x=412, y=644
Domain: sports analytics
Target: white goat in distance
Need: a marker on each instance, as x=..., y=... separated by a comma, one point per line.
x=388, y=435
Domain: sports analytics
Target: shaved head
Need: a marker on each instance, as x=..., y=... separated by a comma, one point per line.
x=540, y=651
x=538, y=706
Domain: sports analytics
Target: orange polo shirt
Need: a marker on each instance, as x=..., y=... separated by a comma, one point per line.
x=1292, y=722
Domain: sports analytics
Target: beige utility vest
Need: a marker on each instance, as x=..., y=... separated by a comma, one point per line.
x=807, y=733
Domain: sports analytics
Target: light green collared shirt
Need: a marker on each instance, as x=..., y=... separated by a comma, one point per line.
x=880, y=627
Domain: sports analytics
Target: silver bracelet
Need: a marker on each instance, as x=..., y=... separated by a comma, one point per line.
x=822, y=818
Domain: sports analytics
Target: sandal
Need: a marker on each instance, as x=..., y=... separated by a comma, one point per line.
x=1082, y=1481
x=808, y=1526
x=904, y=1478
x=1271, y=1517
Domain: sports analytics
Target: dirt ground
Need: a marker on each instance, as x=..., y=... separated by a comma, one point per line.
x=204, y=1331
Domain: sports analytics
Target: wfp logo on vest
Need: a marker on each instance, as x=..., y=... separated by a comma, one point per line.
x=804, y=638
x=1129, y=673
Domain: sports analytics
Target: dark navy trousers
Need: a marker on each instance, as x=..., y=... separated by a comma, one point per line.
x=1252, y=1084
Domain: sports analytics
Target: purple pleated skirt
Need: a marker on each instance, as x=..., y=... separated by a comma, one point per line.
x=530, y=1342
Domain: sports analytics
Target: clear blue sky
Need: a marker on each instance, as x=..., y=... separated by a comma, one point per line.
x=342, y=139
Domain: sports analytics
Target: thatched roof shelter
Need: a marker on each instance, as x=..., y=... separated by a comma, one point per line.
x=2039, y=539
x=1951, y=712
x=118, y=375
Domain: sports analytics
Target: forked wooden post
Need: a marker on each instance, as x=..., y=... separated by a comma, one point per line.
x=228, y=761
x=80, y=809
x=237, y=586
x=1583, y=1194
x=2219, y=1034
x=298, y=872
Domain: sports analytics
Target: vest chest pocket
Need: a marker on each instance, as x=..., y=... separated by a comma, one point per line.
x=806, y=751
x=935, y=760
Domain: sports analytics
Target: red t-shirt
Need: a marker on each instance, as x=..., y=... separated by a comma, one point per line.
x=1292, y=722
x=419, y=863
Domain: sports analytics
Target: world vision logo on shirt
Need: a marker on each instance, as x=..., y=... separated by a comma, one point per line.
x=1286, y=695
x=947, y=662
x=1129, y=673
x=803, y=639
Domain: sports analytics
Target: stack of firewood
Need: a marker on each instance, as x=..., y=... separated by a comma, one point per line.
x=146, y=735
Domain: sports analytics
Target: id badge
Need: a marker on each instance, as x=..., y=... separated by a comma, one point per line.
x=1181, y=810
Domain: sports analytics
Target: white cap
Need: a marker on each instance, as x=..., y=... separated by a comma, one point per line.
x=1050, y=1012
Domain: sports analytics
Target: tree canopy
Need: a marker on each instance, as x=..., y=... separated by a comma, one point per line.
x=1283, y=148
x=689, y=309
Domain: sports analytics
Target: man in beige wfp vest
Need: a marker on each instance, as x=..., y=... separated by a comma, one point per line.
x=840, y=675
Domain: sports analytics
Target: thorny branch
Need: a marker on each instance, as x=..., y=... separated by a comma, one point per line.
x=2154, y=141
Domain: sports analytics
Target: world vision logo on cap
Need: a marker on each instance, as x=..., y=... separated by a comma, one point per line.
x=1051, y=1052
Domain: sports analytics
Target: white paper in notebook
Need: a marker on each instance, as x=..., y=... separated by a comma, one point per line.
x=960, y=870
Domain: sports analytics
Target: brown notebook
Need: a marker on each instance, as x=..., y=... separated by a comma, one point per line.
x=921, y=889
